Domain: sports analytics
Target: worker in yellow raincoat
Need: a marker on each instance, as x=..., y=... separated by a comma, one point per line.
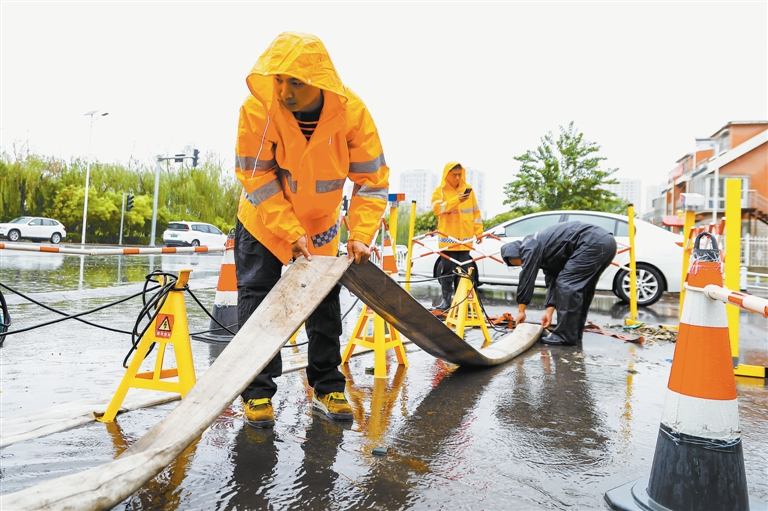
x=459, y=222
x=301, y=134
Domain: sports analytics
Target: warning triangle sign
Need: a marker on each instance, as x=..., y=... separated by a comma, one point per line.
x=164, y=326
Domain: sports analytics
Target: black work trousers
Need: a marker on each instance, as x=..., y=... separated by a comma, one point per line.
x=258, y=270
x=447, y=268
x=575, y=286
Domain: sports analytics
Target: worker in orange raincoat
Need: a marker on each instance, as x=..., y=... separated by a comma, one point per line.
x=301, y=134
x=459, y=222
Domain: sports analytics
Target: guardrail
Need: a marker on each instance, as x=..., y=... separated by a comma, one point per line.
x=25, y=247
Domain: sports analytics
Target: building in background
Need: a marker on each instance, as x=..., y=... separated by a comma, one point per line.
x=629, y=190
x=737, y=150
x=476, y=179
x=418, y=185
x=653, y=192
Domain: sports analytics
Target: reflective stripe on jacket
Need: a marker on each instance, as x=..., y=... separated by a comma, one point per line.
x=291, y=186
x=459, y=220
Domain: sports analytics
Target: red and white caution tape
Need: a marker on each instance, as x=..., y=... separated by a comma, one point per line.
x=108, y=251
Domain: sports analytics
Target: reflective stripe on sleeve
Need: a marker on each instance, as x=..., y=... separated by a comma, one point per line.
x=371, y=193
x=329, y=185
x=367, y=167
x=263, y=192
x=251, y=163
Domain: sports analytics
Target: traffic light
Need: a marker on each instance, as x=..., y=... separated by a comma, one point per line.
x=129, y=203
x=195, y=156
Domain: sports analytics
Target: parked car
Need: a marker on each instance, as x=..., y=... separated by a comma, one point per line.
x=193, y=234
x=658, y=255
x=33, y=228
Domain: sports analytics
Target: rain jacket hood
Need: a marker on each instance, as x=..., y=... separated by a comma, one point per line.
x=462, y=180
x=458, y=222
x=302, y=56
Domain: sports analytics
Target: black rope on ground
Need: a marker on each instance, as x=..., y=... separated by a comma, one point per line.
x=69, y=316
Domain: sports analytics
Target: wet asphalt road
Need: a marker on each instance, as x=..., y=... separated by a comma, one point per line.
x=553, y=429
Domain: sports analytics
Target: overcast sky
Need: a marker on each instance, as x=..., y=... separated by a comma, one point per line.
x=474, y=82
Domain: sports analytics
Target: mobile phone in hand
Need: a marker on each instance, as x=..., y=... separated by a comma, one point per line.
x=467, y=190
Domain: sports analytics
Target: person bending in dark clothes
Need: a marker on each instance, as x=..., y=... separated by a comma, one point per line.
x=572, y=256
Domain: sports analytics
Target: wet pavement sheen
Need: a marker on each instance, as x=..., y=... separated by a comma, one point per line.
x=553, y=429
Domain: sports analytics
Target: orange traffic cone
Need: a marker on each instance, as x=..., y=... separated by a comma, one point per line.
x=225, y=302
x=388, y=261
x=699, y=463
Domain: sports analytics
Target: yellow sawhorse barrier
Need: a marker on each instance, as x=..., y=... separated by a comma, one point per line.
x=465, y=310
x=169, y=327
x=384, y=337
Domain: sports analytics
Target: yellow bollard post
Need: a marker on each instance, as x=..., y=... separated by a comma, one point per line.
x=733, y=259
x=169, y=327
x=393, y=226
x=690, y=220
x=465, y=310
x=732, y=267
x=384, y=337
x=411, y=230
x=632, y=265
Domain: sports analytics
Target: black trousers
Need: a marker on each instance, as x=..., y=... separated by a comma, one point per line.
x=258, y=270
x=448, y=268
x=575, y=286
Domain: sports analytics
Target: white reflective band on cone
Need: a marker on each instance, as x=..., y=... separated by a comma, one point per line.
x=705, y=418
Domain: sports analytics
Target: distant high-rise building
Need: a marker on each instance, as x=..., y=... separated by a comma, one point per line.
x=629, y=190
x=652, y=192
x=418, y=185
x=476, y=179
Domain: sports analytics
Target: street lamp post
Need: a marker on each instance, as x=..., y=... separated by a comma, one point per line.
x=88, y=171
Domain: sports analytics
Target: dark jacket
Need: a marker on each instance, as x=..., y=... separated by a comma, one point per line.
x=548, y=250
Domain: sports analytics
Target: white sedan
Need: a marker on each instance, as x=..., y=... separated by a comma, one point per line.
x=33, y=228
x=658, y=254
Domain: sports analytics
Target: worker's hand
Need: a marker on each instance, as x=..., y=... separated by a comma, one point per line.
x=299, y=248
x=479, y=240
x=520, y=317
x=463, y=197
x=358, y=251
x=547, y=319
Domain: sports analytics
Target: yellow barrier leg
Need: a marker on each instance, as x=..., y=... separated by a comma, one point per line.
x=384, y=337
x=169, y=327
x=465, y=310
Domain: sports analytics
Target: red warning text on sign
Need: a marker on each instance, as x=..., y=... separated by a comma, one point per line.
x=164, y=326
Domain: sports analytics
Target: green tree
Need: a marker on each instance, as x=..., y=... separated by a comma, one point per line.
x=562, y=173
x=426, y=222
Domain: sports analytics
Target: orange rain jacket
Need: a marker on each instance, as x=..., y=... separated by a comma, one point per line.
x=460, y=220
x=291, y=186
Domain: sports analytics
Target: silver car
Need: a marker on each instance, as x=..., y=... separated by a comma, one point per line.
x=33, y=228
x=658, y=254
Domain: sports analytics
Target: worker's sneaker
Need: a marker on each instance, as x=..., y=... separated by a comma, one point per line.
x=333, y=405
x=555, y=340
x=259, y=413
